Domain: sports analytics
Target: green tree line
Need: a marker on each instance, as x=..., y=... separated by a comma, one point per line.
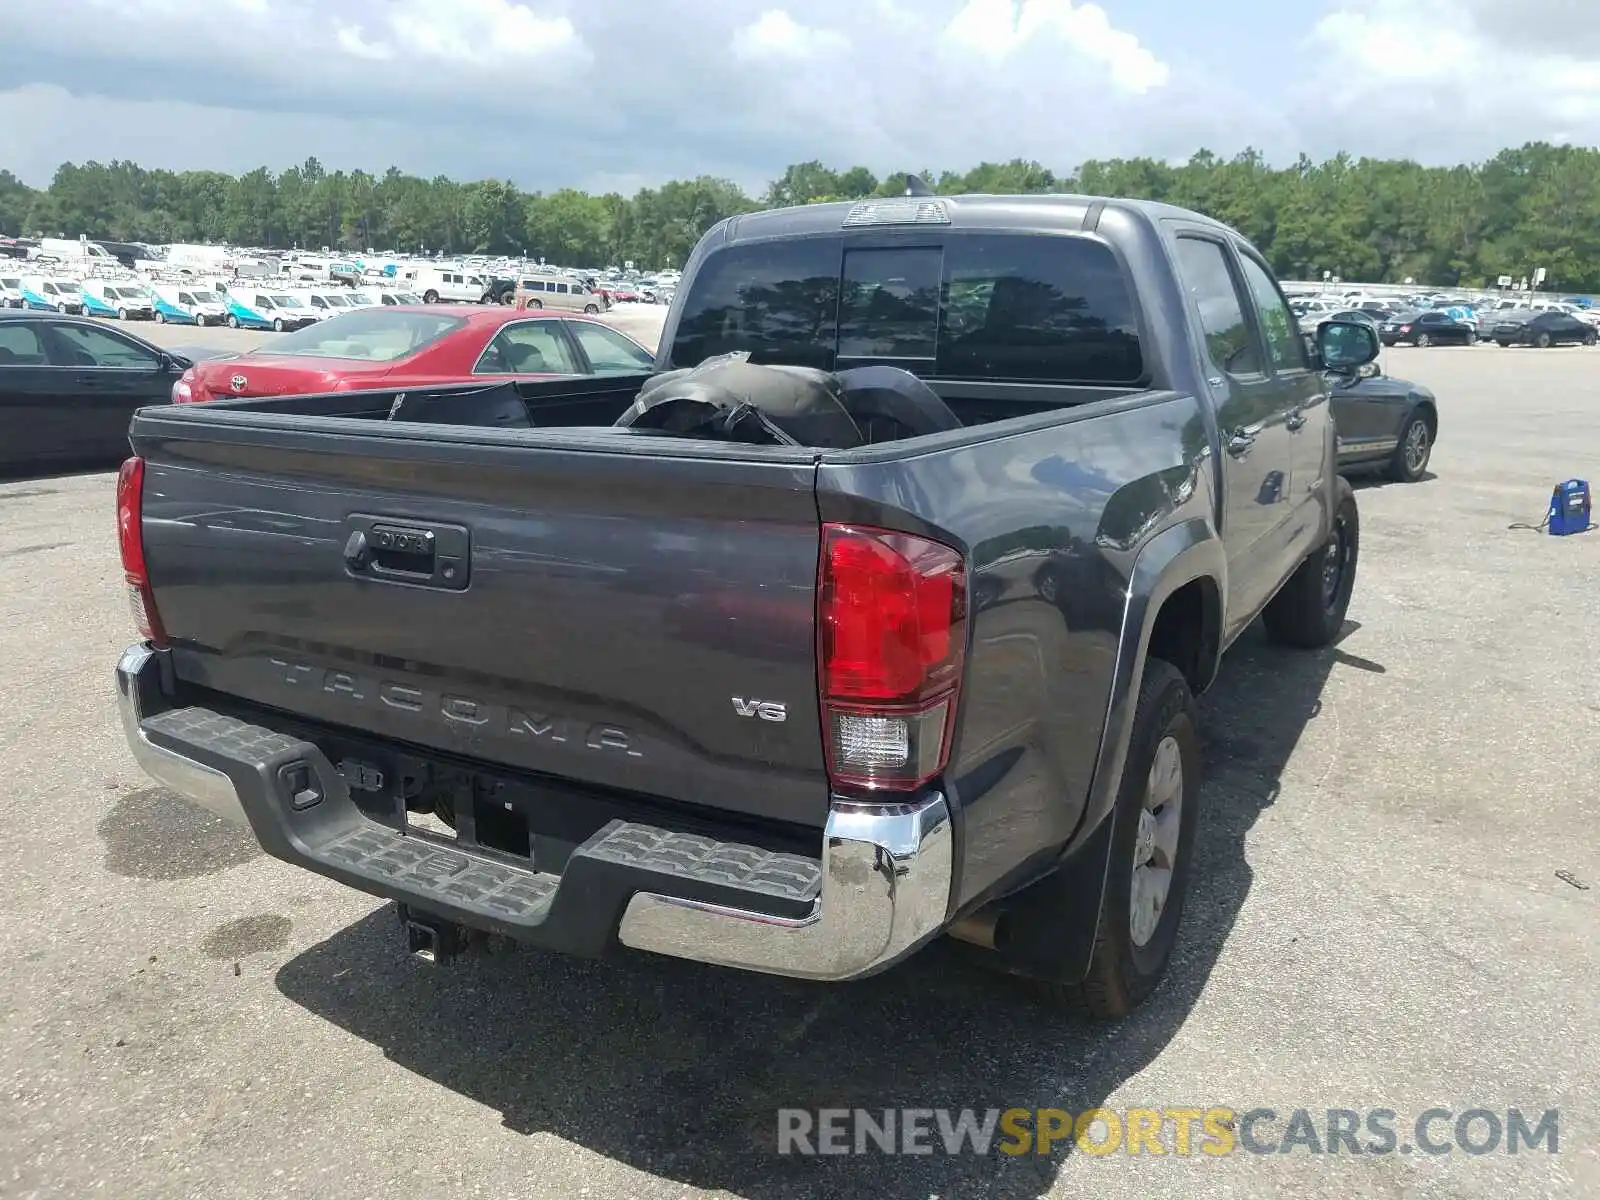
x=1357, y=218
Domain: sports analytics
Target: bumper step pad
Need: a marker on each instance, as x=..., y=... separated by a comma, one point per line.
x=429, y=871
x=688, y=856
x=335, y=838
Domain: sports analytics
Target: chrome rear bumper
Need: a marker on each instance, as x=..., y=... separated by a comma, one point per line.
x=886, y=876
x=883, y=889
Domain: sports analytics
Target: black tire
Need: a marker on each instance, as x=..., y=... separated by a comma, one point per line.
x=277, y=325
x=535, y=303
x=1423, y=340
x=122, y=314
x=430, y=297
x=1472, y=338
x=233, y=321
x=1591, y=338
x=592, y=309
x=1308, y=611
x=1411, y=455
x=161, y=319
x=1542, y=341
x=1122, y=973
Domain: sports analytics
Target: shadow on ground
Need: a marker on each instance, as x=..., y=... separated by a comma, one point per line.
x=679, y=1070
x=1363, y=478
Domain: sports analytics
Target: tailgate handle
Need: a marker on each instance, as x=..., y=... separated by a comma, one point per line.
x=419, y=553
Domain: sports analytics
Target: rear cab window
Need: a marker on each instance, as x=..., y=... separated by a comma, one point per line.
x=992, y=307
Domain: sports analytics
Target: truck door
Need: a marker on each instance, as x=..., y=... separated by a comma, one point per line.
x=1253, y=411
x=1302, y=397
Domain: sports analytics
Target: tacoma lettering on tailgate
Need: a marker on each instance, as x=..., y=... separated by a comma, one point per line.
x=455, y=710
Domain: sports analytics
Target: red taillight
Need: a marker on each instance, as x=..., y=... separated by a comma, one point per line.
x=891, y=637
x=1405, y=329
x=183, y=390
x=130, y=540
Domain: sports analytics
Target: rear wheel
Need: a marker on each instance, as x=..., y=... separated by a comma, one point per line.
x=1308, y=611
x=592, y=310
x=508, y=298
x=535, y=303
x=1542, y=341
x=1591, y=338
x=430, y=297
x=1151, y=850
x=161, y=318
x=233, y=321
x=1424, y=340
x=1471, y=337
x=1411, y=456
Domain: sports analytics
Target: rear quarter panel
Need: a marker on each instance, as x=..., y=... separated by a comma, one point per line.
x=1054, y=518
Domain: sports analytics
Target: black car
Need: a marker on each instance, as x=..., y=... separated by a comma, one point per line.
x=498, y=290
x=1426, y=329
x=68, y=386
x=1384, y=422
x=1543, y=329
x=1358, y=314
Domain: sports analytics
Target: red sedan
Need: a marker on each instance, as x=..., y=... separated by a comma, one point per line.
x=415, y=346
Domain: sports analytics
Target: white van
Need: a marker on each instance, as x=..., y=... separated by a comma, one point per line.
x=329, y=302
x=120, y=298
x=260, y=308
x=11, y=291
x=186, y=304
x=42, y=293
x=445, y=285
x=390, y=298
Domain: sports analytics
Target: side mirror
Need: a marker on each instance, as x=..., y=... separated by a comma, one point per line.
x=1346, y=346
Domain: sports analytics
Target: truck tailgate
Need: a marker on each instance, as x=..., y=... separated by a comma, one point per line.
x=626, y=619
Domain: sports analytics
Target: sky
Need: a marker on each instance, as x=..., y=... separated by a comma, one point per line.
x=619, y=94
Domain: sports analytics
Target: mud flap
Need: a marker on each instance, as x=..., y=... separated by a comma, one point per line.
x=1049, y=927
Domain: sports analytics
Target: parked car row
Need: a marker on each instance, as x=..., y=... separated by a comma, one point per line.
x=240, y=303
x=1551, y=323
x=69, y=384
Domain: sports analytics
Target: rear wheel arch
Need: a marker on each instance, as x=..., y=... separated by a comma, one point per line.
x=1187, y=631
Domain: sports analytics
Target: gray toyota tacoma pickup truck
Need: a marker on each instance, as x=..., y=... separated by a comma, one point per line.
x=776, y=707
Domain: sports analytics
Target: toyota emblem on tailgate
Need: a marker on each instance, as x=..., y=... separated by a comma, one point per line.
x=238, y=382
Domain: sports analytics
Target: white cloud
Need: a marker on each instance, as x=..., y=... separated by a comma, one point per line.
x=775, y=34
x=477, y=31
x=553, y=93
x=997, y=29
x=1471, y=76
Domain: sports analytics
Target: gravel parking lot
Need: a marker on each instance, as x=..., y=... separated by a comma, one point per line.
x=1379, y=922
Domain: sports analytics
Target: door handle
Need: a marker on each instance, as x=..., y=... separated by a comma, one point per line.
x=1296, y=421
x=1239, y=443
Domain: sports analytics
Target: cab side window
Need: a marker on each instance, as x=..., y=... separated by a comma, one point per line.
x=1203, y=265
x=1285, y=348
